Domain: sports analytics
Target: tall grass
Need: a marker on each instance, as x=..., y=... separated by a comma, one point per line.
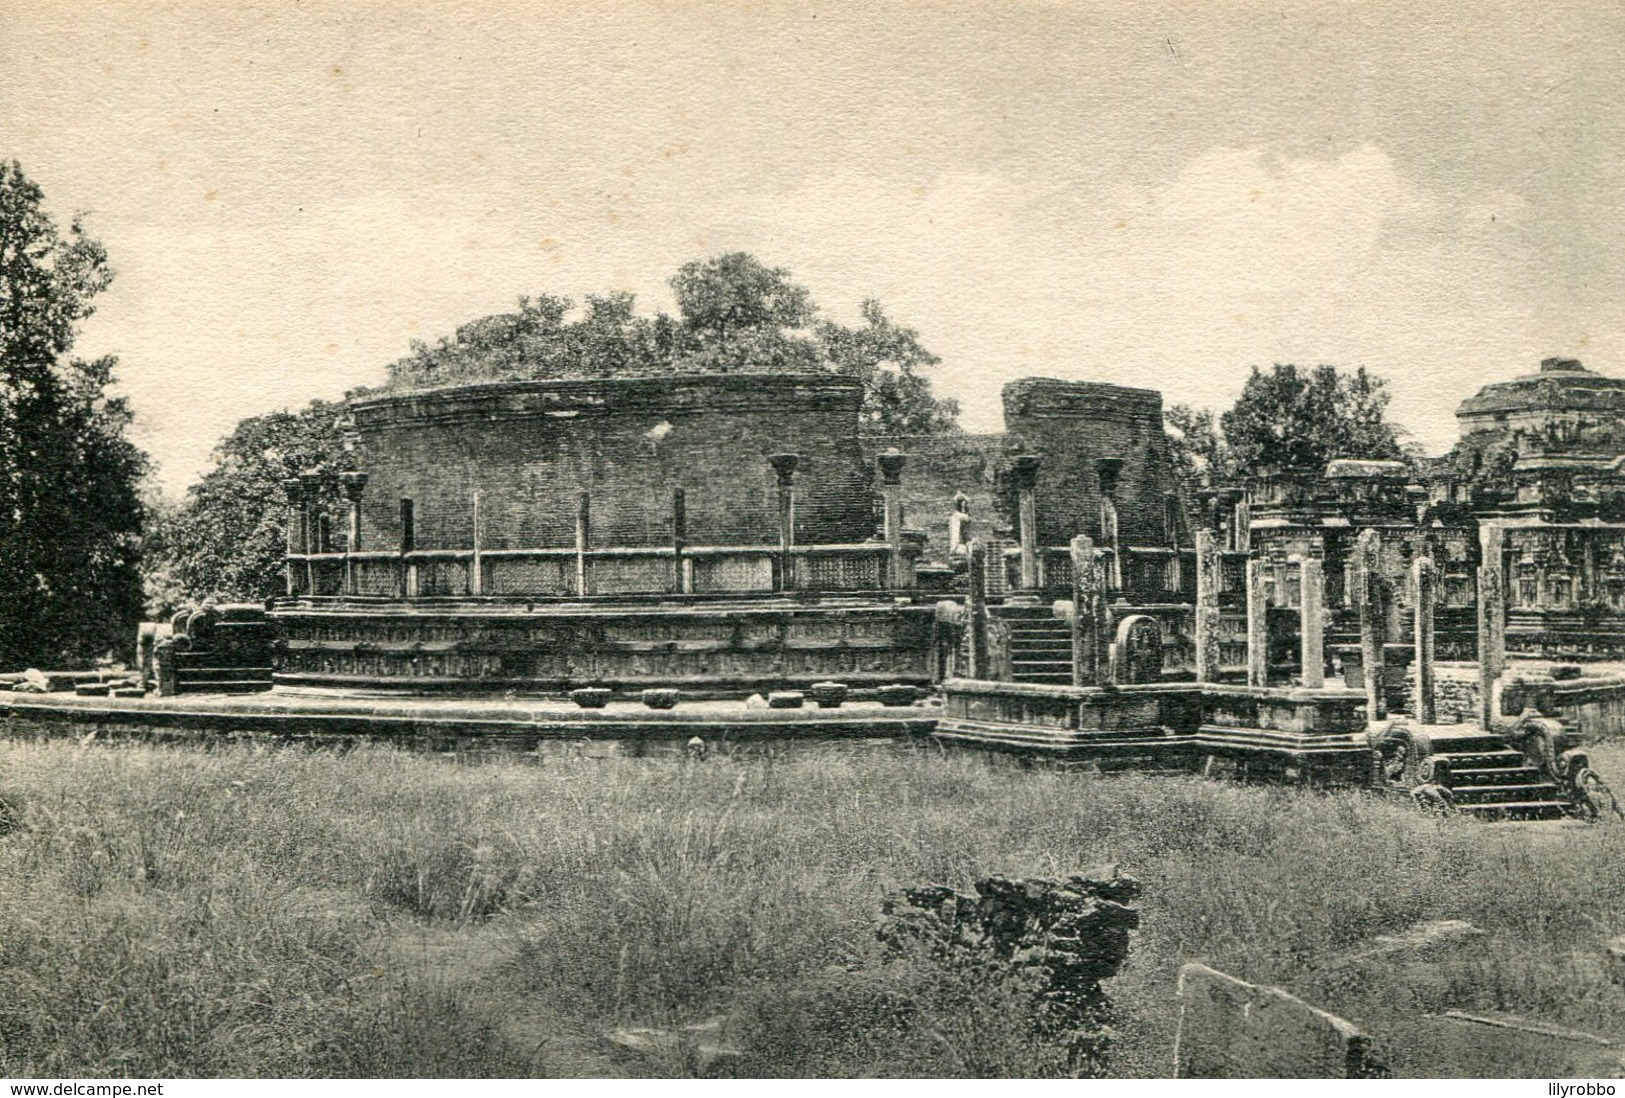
x=247, y=910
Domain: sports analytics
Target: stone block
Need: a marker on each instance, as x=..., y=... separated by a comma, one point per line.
x=897, y=695
x=591, y=697
x=1231, y=1029
x=661, y=699
x=828, y=695
x=785, y=699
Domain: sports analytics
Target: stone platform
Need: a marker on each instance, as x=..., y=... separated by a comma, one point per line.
x=520, y=723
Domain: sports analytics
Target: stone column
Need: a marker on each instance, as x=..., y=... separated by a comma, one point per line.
x=583, y=540
x=1367, y=595
x=1209, y=576
x=1312, y=622
x=409, y=542
x=1091, y=622
x=1424, y=585
x=976, y=609
x=1492, y=618
x=1025, y=473
x=682, y=567
x=354, y=484
x=297, y=532
x=891, y=491
x=476, y=565
x=784, y=468
x=1258, y=625
x=312, y=482
x=1241, y=536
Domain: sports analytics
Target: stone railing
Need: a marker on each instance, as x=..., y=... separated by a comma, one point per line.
x=575, y=573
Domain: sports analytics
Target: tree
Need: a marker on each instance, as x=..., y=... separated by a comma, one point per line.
x=1303, y=419
x=228, y=538
x=1201, y=458
x=70, y=510
x=890, y=361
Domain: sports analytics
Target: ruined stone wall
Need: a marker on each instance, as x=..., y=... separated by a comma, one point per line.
x=531, y=447
x=938, y=467
x=1072, y=425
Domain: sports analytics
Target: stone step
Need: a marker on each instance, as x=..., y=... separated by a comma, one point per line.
x=1498, y=760
x=1058, y=651
x=1504, y=794
x=1498, y=775
x=1517, y=810
x=1046, y=678
x=222, y=686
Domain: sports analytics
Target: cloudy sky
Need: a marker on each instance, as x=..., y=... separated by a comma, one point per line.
x=1148, y=194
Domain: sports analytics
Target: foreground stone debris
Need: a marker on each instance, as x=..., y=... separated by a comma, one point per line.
x=1230, y=1029
x=1068, y=935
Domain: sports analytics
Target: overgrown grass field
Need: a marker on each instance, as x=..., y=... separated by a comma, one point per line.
x=245, y=910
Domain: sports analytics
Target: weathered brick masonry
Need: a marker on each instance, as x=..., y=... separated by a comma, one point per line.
x=1073, y=426
x=531, y=447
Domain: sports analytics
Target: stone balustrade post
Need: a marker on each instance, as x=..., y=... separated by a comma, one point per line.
x=583, y=542
x=1312, y=622
x=297, y=533
x=1424, y=586
x=1368, y=603
x=476, y=564
x=784, y=469
x=1209, y=576
x=1091, y=620
x=682, y=567
x=1025, y=472
x=408, y=583
x=1492, y=619
x=354, y=484
x=1258, y=629
x=312, y=490
x=891, y=490
x=976, y=609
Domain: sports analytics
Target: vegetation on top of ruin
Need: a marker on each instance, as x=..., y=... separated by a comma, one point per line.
x=734, y=315
x=1286, y=418
x=71, y=513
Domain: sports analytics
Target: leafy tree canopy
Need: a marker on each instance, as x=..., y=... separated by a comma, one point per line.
x=226, y=541
x=735, y=315
x=1286, y=418
x=70, y=510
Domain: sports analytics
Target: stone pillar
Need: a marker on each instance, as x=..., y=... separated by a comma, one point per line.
x=784, y=468
x=1091, y=621
x=682, y=567
x=976, y=610
x=312, y=483
x=354, y=484
x=476, y=565
x=1312, y=622
x=583, y=540
x=891, y=491
x=1258, y=625
x=1367, y=594
x=297, y=532
x=1424, y=585
x=1241, y=534
x=1209, y=576
x=409, y=542
x=1025, y=473
x=1492, y=619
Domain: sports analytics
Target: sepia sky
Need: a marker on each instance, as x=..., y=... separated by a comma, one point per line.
x=1157, y=195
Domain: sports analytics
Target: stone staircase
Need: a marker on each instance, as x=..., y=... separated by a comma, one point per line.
x=1040, y=646
x=1489, y=780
